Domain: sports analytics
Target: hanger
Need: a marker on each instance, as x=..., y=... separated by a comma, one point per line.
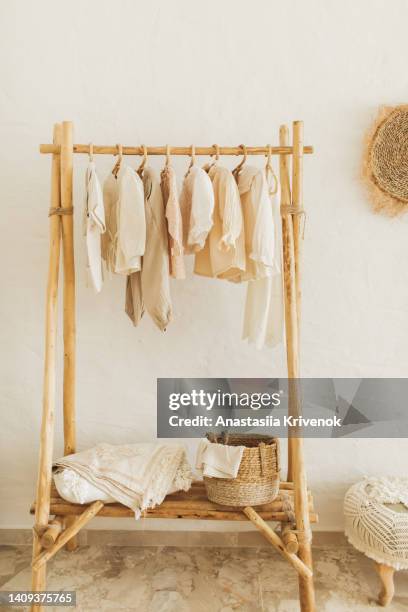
x=143, y=162
x=116, y=167
x=168, y=158
x=90, y=154
x=269, y=172
x=216, y=154
x=238, y=168
x=193, y=160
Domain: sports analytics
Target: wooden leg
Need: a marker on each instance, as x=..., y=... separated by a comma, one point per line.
x=42, y=510
x=69, y=288
x=38, y=576
x=69, y=301
x=386, y=574
x=306, y=585
x=291, y=207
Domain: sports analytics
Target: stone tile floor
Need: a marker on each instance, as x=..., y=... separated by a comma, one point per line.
x=176, y=579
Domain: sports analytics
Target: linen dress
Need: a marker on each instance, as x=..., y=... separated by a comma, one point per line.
x=93, y=226
x=149, y=289
x=168, y=184
x=223, y=255
x=264, y=307
x=197, y=206
x=125, y=237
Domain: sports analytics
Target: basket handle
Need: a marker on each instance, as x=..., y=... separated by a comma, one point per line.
x=262, y=457
x=225, y=437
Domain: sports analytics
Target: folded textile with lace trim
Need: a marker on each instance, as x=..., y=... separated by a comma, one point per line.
x=218, y=460
x=138, y=476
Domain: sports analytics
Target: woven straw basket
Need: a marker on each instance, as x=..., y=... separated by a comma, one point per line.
x=385, y=160
x=257, y=481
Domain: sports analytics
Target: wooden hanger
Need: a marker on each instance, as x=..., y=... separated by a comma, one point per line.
x=141, y=168
x=168, y=158
x=210, y=164
x=193, y=160
x=238, y=168
x=269, y=172
x=116, y=167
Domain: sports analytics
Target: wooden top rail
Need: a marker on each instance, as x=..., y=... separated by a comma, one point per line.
x=213, y=150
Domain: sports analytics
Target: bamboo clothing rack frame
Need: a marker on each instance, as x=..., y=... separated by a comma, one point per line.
x=293, y=507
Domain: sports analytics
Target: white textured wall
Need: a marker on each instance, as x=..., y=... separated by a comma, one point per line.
x=203, y=72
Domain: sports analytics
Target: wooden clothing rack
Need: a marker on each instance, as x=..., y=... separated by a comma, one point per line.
x=57, y=521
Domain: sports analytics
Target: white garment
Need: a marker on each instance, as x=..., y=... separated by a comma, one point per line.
x=197, y=206
x=218, y=460
x=125, y=221
x=93, y=226
x=150, y=288
x=138, y=476
x=264, y=307
x=258, y=224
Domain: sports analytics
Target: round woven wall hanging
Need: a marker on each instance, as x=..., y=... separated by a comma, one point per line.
x=385, y=162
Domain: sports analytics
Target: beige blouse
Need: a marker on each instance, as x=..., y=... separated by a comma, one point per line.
x=197, y=206
x=150, y=288
x=123, y=243
x=174, y=221
x=223, y=255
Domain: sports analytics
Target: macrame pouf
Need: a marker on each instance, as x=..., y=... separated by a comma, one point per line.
x=376, y=523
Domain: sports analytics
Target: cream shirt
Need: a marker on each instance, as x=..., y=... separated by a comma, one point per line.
x=223, y=255
x=197, y=206
x=264, y=306
x=150, y=288
x=94, y=226
x=125, y=237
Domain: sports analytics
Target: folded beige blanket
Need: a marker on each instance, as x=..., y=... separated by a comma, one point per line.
x=138, y=476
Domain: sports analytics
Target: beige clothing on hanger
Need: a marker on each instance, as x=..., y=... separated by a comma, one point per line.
x=258, y=223
x=94, y=226
x=150, y=288
x=125, y=237
x=223, y=255
x=197, y=206
x=264, y=306
x=174, y=221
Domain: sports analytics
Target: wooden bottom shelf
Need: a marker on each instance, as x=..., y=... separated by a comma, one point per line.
x=192, y=504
